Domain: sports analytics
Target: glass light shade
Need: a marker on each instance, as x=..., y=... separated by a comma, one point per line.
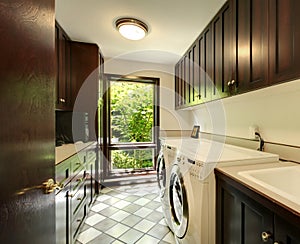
x=131, y=29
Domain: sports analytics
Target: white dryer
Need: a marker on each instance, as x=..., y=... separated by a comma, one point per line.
x=165, y=160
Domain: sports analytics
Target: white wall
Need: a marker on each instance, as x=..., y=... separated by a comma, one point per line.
x=275, y=110
x=169, y=118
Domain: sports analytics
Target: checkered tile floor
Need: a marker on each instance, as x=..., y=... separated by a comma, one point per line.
x=126, y=214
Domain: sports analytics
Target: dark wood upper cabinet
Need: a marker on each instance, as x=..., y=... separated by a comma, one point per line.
x=205, y=66
x=252, y=44
x=249, y=44
x=63, y=86
x=85, y=77
x=284, y=40
x=223, y=40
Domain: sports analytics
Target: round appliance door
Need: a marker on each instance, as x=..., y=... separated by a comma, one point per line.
x=161, y=174
x=178, y=202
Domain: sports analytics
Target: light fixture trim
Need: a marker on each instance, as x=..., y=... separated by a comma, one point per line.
x=131, y=28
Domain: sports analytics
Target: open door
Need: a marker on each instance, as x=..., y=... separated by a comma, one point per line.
x=27, y=136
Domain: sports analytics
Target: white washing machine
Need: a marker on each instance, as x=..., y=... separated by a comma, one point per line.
x=192, y=189
x=165, y=160
x=189, y=214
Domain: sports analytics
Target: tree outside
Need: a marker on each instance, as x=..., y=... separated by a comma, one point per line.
x=131, y=121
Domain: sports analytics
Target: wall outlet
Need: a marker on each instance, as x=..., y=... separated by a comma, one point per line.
x=252, y=130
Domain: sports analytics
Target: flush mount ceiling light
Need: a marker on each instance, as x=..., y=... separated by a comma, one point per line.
x=132, y=29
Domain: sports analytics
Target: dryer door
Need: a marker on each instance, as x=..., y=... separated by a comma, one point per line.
x=161, y=174
x=178, y=202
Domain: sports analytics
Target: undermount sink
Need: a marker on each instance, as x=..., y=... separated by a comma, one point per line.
x=284, y=181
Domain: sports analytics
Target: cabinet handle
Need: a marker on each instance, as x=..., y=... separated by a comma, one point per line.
x=71, y=195
x=276, y=242
x=265, y=236
x=79, y=199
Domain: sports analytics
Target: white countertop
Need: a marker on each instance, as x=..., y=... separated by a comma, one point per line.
x=210, y=151
x=67, y=150
x=233, y=172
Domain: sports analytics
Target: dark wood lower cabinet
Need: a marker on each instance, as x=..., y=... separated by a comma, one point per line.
x=285, y=232
x=244, y=216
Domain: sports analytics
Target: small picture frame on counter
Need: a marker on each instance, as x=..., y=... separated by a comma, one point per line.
x=195, y=131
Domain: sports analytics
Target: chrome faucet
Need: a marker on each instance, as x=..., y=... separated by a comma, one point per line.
x=261, y=142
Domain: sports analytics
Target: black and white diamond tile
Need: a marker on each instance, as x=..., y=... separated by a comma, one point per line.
x=126, y=214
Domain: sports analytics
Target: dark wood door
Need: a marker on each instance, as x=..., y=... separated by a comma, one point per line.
x=27, y=135
x=252, y=43
x=284, y=40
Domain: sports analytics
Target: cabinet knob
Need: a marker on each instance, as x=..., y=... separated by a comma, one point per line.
x=62, y=100
x=276, y=242
x=265, y=236
x=229, y=83
x=232, y=82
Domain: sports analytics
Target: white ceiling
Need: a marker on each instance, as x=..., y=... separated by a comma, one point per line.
x=173, y=24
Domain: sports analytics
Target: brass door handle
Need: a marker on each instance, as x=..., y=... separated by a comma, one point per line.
x=49, y=186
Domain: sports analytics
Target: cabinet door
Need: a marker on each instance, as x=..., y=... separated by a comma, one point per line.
x=85, y=76
x=181, y=83
x=252, y=43
x=186, y=79
x=239, y=218
x=284, y=40
x=63, y=68
x=62, y=214
x=223, y=51
x=177, y=102
x=285, y=232
x=205, y=64
x=194, y=75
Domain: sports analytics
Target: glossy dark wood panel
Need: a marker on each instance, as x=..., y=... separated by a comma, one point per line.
x=284, y=40
x=176, y=85
x=186, y=79
x=252, y=41
x=285, y=232
x=85, y=77
x=257, y=213
x=208, y=63
x=223, y=51
x=27, y=134
x=63, y=82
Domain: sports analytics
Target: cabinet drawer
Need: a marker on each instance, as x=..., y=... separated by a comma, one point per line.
x=78, y=181
x=62, y=173
x=78, y=199
x=90, y=156
x=77, y=163
x=77, y=221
